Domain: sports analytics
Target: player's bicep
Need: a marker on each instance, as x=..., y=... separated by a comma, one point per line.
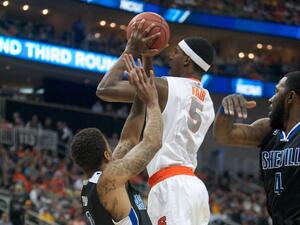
x=134, y=162
x=119, y=91
x=114, y=198
x=119, y=171
x=122, y=148
x=122, y=91
x=249, y=135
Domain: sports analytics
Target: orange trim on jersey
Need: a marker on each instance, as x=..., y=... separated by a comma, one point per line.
x=168, y=172
x=195, y=79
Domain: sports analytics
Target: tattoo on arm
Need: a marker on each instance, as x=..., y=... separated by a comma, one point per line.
x=113, y=75
x=132, y=130
x=112, y=87
x=109, y=186
x=136, y=160
x=121, y=149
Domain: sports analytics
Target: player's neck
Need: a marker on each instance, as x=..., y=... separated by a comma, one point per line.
x=293, y=120
x=89, y=174
x=103, y=166
x=189, y=73
x=195, y=77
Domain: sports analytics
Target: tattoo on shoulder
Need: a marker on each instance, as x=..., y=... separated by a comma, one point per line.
x=109, y=185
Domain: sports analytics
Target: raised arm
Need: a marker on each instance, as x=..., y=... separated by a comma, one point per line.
x=112, y=87
x=111, y=186
x=227, y=132
x=147, y=64
x=132, y=129
x=161, y=84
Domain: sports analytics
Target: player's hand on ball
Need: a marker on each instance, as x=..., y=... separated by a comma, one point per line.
x=139, y=41
x=237, y=105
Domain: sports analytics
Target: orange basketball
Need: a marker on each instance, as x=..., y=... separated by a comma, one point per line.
x=161, y=26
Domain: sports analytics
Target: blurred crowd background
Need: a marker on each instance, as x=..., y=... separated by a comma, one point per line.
x=47, y=183
x=267, y=10
x=44, y=185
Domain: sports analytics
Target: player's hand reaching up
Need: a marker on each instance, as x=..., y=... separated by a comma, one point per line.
x=145, y=86
x=237, y=105
x=130, y=63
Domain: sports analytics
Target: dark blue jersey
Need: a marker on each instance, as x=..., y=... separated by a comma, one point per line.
x=98, y=215
x=280, y=166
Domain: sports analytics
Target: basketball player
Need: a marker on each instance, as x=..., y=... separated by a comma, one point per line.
x=278, y=137
x=104, y=195
x=177, y=196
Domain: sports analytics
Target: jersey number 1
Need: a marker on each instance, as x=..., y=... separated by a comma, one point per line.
x=194, y=119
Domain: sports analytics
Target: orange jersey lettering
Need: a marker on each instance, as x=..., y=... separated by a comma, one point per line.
x=199, y=93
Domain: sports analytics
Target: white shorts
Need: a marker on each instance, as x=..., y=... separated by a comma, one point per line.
x=179, y=200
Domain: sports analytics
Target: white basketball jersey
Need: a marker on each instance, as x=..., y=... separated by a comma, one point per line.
x=187, y=116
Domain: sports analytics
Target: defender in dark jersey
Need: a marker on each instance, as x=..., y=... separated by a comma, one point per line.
x=106, y=196
x=279, y=139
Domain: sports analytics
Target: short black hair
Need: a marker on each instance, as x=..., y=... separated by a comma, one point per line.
x=202, y=48
x=293, y=81
x=87, y=149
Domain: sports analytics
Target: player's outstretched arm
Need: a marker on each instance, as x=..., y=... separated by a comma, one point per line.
x=227, y=132
x=132, y=129
x=137, y=158
x=147, y=64
x=111, y=185
x=112, y=88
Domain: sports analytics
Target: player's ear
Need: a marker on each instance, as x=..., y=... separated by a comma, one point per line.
x=291, y=96
x=186, y=61
x=107, y=155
